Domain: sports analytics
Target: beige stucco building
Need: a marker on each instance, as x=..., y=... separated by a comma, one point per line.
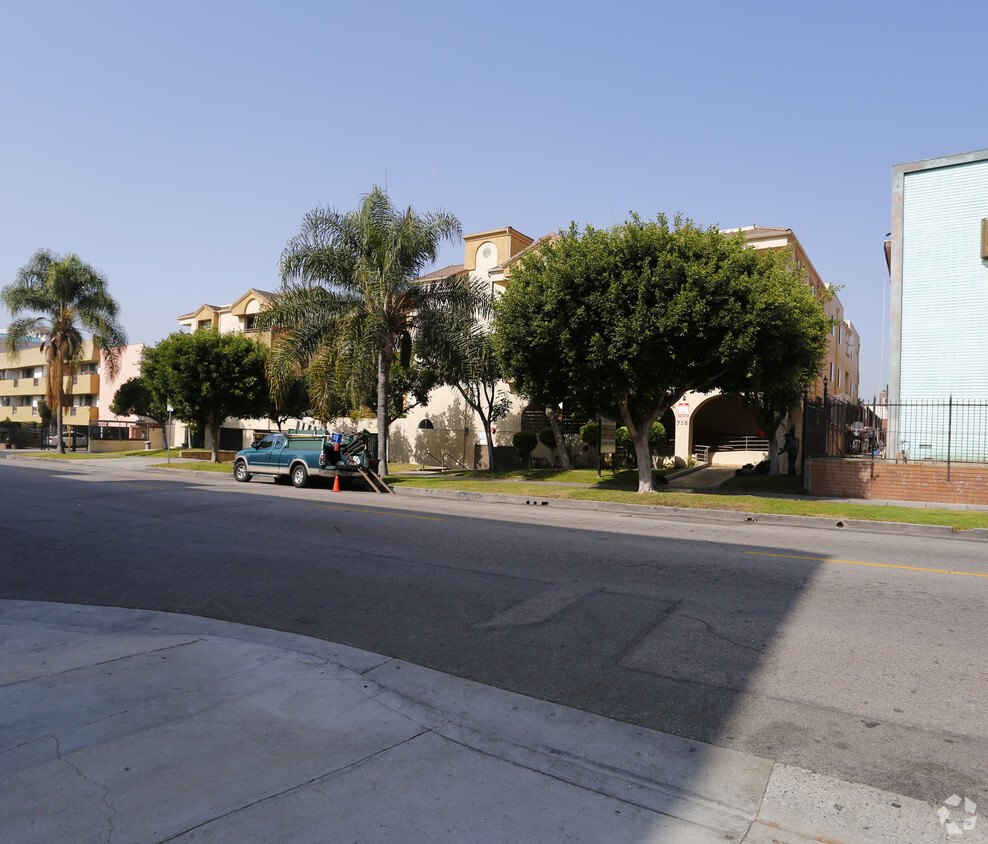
x=445, y=431
x=237, y=317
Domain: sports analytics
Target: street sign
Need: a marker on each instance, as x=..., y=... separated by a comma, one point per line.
x=608, y=434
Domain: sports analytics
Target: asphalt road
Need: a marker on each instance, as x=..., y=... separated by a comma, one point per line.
x=851, y=654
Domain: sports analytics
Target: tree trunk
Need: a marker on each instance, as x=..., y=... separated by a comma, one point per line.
x=557, y=432
x=59, y=445
x=59, y=396
x=490, y=446
x=639, y=436
x=772, y=432
x=214, y=433
x=382, y=414
x=644, y=457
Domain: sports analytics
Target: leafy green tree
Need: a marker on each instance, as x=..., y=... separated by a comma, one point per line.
x=62, y=299
x=626, y=320
x=409, y=385
x=349, y=300
x=135, y=398
x=290, y=402
x=207, y=377
x=789, y=349
x=45, y=413
x=455, y=342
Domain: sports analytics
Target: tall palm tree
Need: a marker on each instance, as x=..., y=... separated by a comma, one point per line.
x=349, y=299
x=68, y=299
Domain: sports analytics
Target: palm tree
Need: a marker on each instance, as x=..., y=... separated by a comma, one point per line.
x=349, y=300
x=72, y=300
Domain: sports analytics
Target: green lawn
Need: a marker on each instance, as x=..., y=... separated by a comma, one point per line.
x=746, y=493
x=197, y=466
x=85, y=455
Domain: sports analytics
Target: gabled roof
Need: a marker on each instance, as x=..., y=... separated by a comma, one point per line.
x=204, y=307
x=552, y=236
x=253, y=293
x=435, y=275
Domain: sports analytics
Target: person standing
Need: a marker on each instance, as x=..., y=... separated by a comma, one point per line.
x=790, y=446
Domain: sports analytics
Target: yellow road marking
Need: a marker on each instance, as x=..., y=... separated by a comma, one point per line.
x=860, y=563
x=378, y=512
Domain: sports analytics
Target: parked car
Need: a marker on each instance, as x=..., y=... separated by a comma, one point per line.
x=73, y=440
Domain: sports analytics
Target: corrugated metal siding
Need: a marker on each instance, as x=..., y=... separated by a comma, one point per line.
x=944, y=284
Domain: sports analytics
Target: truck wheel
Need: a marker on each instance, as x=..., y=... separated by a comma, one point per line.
x=299, y=476
x=240, y=472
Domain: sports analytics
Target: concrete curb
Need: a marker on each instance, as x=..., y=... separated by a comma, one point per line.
x=703, y=515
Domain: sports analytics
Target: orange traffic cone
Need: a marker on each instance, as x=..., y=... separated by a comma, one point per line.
x=336, y=483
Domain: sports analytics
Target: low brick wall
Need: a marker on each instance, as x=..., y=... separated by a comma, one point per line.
x=837, y=478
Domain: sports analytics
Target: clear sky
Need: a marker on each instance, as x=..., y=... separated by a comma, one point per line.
x=176, y=146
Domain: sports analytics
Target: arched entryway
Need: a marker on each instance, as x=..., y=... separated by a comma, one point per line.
x=720, y=427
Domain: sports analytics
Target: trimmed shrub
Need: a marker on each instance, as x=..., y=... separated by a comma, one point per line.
x=525, y=442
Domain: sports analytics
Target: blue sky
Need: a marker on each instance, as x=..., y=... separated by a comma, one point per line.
x=176, y=146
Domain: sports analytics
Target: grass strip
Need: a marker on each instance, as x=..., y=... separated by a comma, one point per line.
x=729, y=501
x=747, y=494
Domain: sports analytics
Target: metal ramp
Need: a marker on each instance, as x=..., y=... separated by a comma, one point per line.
x=374, y=481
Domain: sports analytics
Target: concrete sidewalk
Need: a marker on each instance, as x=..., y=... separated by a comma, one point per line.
x=134, y=726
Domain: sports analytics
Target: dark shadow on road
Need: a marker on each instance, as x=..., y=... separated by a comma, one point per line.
x=661, y=624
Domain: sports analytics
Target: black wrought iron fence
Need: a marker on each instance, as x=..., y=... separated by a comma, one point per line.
x=951, y=431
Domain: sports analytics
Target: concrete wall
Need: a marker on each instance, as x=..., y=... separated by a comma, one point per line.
x=968, y=483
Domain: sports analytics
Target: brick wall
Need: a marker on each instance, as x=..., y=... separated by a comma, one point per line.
x=836, y=478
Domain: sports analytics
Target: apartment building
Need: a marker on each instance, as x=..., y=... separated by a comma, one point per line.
x=238, y=316
x=88, y=393
x=23, y=381
x=938, y=266
x=840, y=367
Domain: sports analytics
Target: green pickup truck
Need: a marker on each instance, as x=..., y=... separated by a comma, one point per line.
x=298, y=457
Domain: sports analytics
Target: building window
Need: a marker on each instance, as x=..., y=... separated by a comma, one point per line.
x=249, y=321
x=205, y=323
